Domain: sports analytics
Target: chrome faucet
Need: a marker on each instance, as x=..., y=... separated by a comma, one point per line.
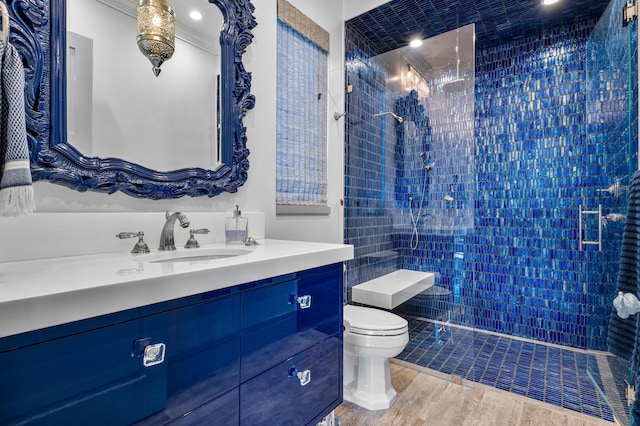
x=166, y=237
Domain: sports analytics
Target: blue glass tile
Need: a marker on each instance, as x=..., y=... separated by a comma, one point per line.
x=515, y=366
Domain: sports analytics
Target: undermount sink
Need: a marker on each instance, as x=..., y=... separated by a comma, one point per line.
x=193, y=255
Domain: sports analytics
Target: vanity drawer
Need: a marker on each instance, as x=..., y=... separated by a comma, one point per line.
x=202, y=355
x=282, y=394
x=88, y=378
x=285, y=319
x=102, y=377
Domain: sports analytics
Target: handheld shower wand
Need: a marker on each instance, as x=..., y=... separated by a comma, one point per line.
x=425, y=165
x=415, y=218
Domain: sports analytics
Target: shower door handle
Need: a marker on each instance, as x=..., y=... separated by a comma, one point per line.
x=582, y=213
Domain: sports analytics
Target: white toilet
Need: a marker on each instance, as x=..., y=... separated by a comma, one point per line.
x=371, y=337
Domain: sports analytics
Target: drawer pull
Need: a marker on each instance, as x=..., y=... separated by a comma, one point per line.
x=153, y=354
x=303, y=376
x=304, y=301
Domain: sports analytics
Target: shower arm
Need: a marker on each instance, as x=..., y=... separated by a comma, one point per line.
x=395, y=116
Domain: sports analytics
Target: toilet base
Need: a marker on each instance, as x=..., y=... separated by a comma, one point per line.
x=372, y=388
x=369, y=403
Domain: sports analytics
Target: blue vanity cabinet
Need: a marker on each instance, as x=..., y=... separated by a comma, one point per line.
x=240, y=355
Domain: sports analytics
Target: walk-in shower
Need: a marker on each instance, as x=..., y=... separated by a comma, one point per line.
x=482, y=184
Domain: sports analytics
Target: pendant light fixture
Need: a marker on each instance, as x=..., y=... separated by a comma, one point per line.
x=156, y=31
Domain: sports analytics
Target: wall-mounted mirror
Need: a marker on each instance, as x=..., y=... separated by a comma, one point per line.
x=84, y=138
x=117, y=107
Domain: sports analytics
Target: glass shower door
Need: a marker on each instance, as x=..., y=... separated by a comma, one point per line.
x=610, y=158
x=431, y=193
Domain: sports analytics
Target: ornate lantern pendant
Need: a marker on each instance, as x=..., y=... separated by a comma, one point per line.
x=156, y=31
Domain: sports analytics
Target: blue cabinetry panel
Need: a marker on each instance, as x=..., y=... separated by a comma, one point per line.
x=81, y=379
x=275, y=325
x=202, y=354
x=98, y=377
x=222, y=411
x=278, y=397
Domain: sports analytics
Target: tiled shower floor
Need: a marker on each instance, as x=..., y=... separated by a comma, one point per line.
x=550, y=374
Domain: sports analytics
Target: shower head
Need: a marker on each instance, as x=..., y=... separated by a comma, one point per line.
x=399, y=119
x=456, y=85
x=396, y=117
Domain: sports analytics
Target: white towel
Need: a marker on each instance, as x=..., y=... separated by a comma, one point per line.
x=16, y=192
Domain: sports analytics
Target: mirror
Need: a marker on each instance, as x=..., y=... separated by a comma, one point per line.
x=56, y=159
x=117, y=108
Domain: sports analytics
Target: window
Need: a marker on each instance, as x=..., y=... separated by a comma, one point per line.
x=301, y=131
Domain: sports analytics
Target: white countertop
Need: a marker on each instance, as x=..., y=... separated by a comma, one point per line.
x=40, y=293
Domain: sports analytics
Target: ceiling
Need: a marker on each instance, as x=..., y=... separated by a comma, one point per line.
x=211, y=22
x=393, y=24
x=204, y=33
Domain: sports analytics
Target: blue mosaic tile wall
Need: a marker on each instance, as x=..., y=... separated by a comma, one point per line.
x=517, y=270
x=535, y=167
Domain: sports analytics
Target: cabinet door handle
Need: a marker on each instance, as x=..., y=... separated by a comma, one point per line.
x=304, y=301
x=303, y=376
x=153, y=354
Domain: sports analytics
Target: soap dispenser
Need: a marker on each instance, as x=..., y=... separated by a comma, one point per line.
x=236, y=227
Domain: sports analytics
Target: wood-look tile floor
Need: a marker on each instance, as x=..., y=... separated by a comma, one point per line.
x=424, y=399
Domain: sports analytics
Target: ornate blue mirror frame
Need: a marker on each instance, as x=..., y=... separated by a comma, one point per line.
x=38, y=31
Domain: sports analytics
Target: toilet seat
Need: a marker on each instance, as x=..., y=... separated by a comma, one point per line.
x=373, y=322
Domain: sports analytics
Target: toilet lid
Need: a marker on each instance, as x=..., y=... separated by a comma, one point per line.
x=373, y=322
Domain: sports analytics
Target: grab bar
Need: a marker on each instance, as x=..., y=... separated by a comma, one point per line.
x=581, y=241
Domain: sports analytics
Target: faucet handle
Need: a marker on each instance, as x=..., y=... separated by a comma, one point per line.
x=141, y=246
x=249, y=241
x=192, y=242
x=123, y=235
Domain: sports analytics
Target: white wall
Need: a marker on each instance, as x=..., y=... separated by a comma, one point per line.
x=316, y=228
x=258, y=194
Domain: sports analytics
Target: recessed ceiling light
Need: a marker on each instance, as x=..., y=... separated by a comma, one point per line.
x=416, y=42
x=548, y=2
x=195, y=15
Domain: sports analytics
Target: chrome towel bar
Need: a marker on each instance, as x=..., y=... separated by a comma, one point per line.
x=582, y=242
